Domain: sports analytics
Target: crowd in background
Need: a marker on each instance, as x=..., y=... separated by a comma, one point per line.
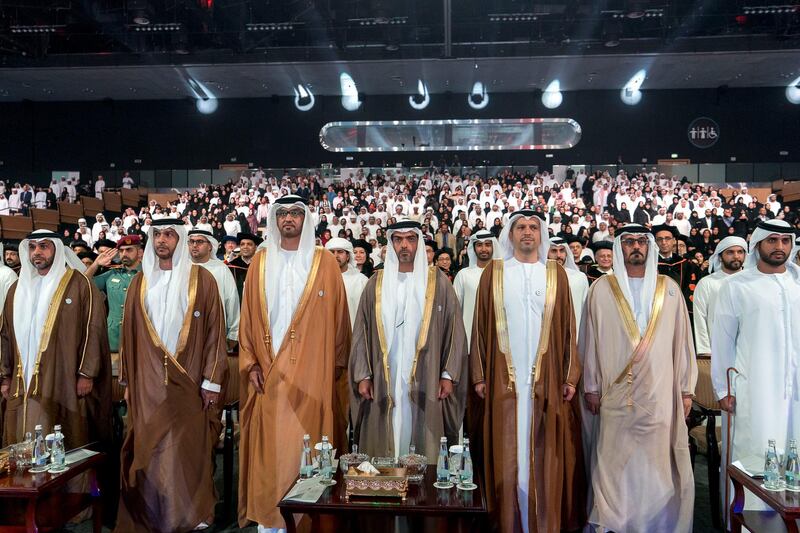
x=581, y=208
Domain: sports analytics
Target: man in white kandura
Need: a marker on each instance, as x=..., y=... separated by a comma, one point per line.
x=203, y=249
x=354, y=280
x=578, y=283
x=482, y=248
x=756, y=329
x=727, y=259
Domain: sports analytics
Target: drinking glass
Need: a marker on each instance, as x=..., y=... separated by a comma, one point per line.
x=456, y=452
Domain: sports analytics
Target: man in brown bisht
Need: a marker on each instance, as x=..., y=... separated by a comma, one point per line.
x=294, y=340
x=55, y=366
x=409, y=354
x=524, y=368
x=173, y=363
x=639, y=377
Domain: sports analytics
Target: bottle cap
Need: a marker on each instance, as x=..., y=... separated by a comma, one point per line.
x=57, y=428
x=38, y=427
x=443, y=439
x=306, y=436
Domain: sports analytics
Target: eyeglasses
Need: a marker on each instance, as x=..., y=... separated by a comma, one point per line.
x=630, y=243
x=665, y=239
x=294, y=213
x=197, y=242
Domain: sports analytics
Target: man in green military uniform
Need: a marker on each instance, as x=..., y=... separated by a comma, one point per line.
x=114, y=283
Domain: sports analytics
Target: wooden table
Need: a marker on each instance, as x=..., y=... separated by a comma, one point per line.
x=39, y=502
x=785, y=503
x=423, y=500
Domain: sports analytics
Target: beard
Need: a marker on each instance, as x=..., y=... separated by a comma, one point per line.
x=635, y=259
x=768, y=259
x=732, y=265
x=44, y=263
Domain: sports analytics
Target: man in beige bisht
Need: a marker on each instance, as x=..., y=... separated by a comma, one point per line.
x=409, y=354
x=294, y=339
x=55, y=366
x=524, y=369
x=639, y=377
x=173, y=365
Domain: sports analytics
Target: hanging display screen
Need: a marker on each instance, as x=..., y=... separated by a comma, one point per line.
x=450, y=135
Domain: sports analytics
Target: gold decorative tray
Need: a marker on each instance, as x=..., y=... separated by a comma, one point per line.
x=389, y=483
x=5, y=458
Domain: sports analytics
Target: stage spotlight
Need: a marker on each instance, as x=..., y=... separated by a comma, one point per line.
x=479, y=97
x=303, y=93
x=206, y=102
x=350, y=99
x=422, y=95
x=793, y=92
x=552, y=97
x=631, y=93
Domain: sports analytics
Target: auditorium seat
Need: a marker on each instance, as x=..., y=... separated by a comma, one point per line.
x=230, y=403
x=705, y=438
x=92, y=206
x=70, y=213
x=15, y=228
x=112, y=201
x=45, y=219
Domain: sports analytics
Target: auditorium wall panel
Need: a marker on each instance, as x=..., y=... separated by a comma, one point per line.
x=37, y=137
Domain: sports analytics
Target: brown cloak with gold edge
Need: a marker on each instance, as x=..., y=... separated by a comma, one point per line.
x=305, y=389
x=641, y=470
x=74, y=341
x=558, y=480
x=441, y=347
x=167, y=471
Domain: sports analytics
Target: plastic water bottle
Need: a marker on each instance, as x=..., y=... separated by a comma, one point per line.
x=58, y=453
x=772, y=467
x=326, y=461
x=792, y=470
x=39, y=447
x=442, y=467
x=306, y=467
x=466, y=469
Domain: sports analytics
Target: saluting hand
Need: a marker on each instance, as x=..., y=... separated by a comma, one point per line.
x=106, y=258
x=84, y=386
x=256, y=377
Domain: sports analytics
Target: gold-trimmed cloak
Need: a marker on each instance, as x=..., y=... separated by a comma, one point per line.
x=557, y=476
x=305, y=384
x=167, y=471
x=74, y=341
x=441, y=347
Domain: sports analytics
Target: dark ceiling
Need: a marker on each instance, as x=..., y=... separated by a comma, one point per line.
x=125, y=32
